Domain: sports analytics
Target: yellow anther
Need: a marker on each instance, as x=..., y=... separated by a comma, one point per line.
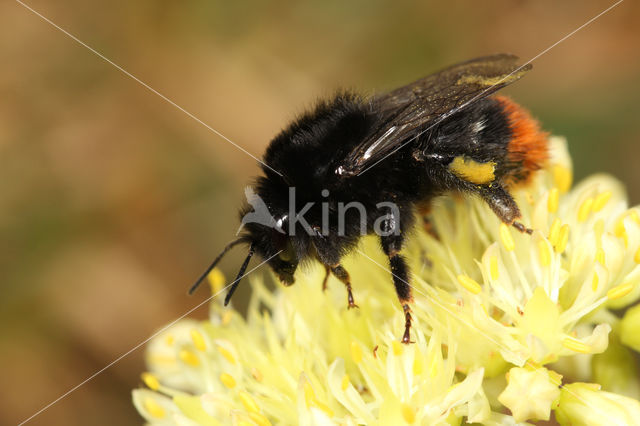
x=601, y=200
x=554, y=231
x=150, y=380
x=576, y=345
x=598, y=228
x=312, y=401
x=433, y=367
x=408, y=413
x=553, y=200
x=507, y=239
x=594, y=282
x=563, y=239
x=345, y=382
x=169, y=340
x=198, y=340
x=469, y=283
x=585, y=209
x=227, y=354
x=248, y=402
x=154, y=409
x=188, y=357
x=418, y=366
x=397, y=348
x=619, y=228
x=636, y=258
x=545, y=253
x=620, y=291
x=216, y=280
x=600, y=256
x=562, y=178
x=356, y=352
x=493, y=267
x=259, y=419
x=228, y=380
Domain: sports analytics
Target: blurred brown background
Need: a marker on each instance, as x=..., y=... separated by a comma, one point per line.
x=112, y=201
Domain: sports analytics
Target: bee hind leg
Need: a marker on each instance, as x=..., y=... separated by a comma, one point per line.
x=400, y=272
x=343, y=276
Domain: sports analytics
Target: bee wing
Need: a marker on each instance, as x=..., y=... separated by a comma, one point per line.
x=409, y=111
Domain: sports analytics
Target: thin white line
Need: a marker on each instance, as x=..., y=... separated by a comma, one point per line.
x=439, y=119
x=128, y=74
x=500, y=345
x=64, y=395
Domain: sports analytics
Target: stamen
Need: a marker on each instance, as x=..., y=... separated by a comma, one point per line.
x=345, y=382
x=600, y=256
x=553, y=200
x=312, y=401
x=408, y=413
x=418, y=366
x=259, y=419
x=507, y=239
x=545, y=254
x=153, y=408
x=228, y=380
x=151, y=381
x=554, y=232
x=601, y=200
x=216, y=280
x=585, y=209
x=620, y=291
x=562, y=178
x=576, y=346
x=469, y=283
x=227, y=354
x=169, y=340
x=636, y=258
x=563, y=239
x=356, y=352
x=248, y=402
x=256, y=374
x=594, y=282
x=493, y=267
x=188, y=357
x=198, y=340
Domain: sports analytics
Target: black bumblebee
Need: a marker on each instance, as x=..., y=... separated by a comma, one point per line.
x=358, y=166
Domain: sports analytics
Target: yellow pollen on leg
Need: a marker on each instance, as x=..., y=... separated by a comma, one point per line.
x=198, y=340
x=493, y=267
x=472, y=171
x=576, y=346
x=619, y=291
x=469, y=283
x=545, y=253
x=585, y=209
x=154, y=409
x=553, y=200
x=601, y=200
x=228, y=380
x=150, y=380
x=507, y=239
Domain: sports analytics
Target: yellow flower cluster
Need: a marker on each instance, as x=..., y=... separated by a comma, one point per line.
x=509, y=327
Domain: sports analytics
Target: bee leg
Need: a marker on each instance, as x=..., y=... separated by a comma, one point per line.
x=503, y=205
x=343, y=276
x=327, y=272
x=391, y=245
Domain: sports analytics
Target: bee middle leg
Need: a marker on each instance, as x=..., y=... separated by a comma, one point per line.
x=503, y=205
x=342, y=274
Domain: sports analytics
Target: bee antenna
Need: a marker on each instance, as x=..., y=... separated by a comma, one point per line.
x=214, y=263
x=235, y=283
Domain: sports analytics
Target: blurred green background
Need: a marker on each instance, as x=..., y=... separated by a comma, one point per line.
x=112, y=201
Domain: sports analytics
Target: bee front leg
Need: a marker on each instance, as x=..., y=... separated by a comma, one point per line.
x=327, y=273
x=391, y=244
x=503, y=205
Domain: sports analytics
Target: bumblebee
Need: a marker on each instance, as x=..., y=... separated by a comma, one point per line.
x=389, y=155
